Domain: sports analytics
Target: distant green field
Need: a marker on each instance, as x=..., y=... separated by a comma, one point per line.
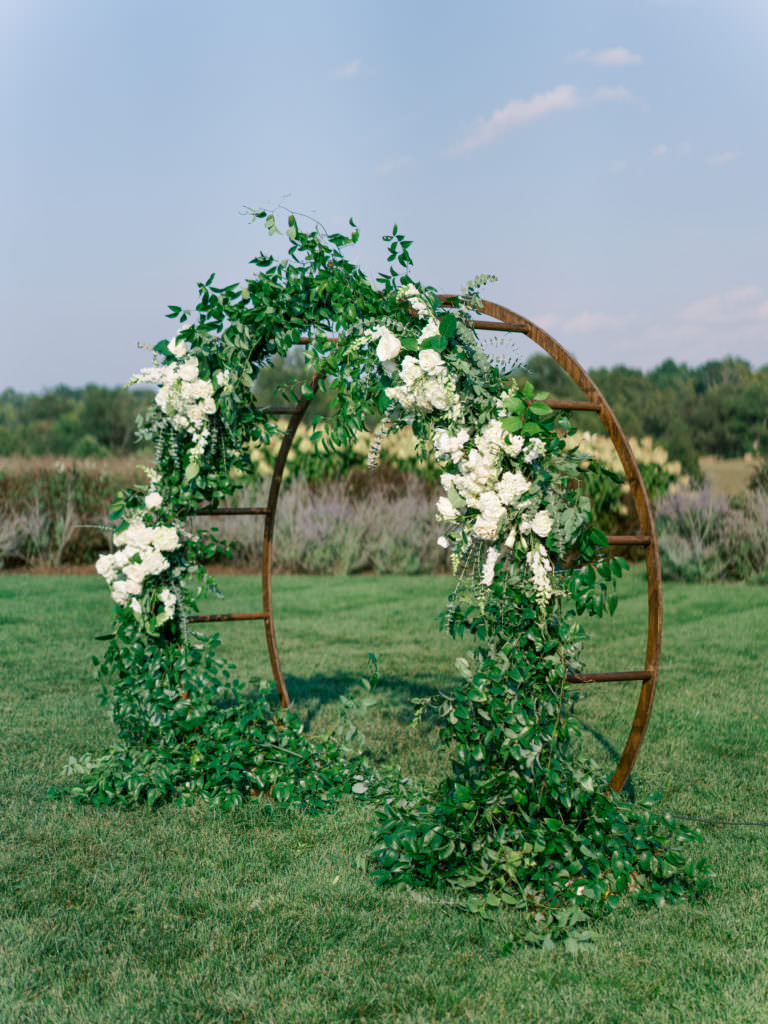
x=190, y=915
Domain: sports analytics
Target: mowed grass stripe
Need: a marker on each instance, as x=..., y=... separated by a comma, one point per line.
x=193, y=915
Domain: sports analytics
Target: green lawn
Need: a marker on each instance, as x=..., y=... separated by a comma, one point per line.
x=191, y=915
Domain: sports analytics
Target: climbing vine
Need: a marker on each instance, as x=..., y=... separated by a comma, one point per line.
x=521, y=819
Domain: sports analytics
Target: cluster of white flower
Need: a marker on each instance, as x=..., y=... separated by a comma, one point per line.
x=480, y=482
x=141, y=555
x=541, y=572
x=186, y=398
x=427, y=383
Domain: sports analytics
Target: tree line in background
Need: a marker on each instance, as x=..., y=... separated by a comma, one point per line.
x=720, y=408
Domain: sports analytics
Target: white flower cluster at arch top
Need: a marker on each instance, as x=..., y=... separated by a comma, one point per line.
x=489, y=483
x=142, y=555
x=186, y=398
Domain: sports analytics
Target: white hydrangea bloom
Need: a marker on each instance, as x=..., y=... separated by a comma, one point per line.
x=511, y=487
x=445, y=509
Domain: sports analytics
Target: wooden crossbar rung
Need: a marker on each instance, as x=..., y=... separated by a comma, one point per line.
x=241, y=511
x=515, y=327
x=634, y=539
x=565, y=403
x=608, y=677
x=240, y=617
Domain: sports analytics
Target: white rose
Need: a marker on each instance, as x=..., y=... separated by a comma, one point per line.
x=105, y=566
x=389, y=345
x=432, y=330
x=189, y=370
x=166, y=538
x=136, y=571
x=437, y=395
x=153, y=500
x=411, y=370
x=429, y=360
x=443, y=542
x=178, y=348
x=486, y=527
x=542, y=523
x=445, y=509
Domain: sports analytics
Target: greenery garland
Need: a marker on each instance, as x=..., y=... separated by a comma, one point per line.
x=521, y=819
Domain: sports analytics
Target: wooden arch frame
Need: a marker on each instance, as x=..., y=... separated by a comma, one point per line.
x=499, y=319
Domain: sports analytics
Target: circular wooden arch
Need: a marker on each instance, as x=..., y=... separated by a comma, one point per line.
x=499, y=319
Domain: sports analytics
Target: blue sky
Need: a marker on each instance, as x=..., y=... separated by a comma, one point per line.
x=606, y=159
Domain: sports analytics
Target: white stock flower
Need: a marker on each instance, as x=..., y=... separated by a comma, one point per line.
x=222, y=378
x=416, y=302
x=388, y=346
x=535, y=448
x=153, y=500
x=135, y=606
x=541, y=571
x=432, y=330
x=486, y=577
x=443, y=542
x=514, y=445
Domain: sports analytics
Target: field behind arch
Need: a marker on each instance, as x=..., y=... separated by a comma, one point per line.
x=192, y=915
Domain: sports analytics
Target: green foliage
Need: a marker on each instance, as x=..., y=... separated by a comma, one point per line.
x=79, y=422
x=521, y=818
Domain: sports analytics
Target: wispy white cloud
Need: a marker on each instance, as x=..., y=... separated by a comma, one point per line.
x=721, y=158
x=520, y=112
x=738, y=305
x=616, y=57
x=350, y=70
x=586, y=322
x=612, y=93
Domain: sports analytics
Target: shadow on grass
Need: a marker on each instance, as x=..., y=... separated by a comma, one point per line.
x=312, y=693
